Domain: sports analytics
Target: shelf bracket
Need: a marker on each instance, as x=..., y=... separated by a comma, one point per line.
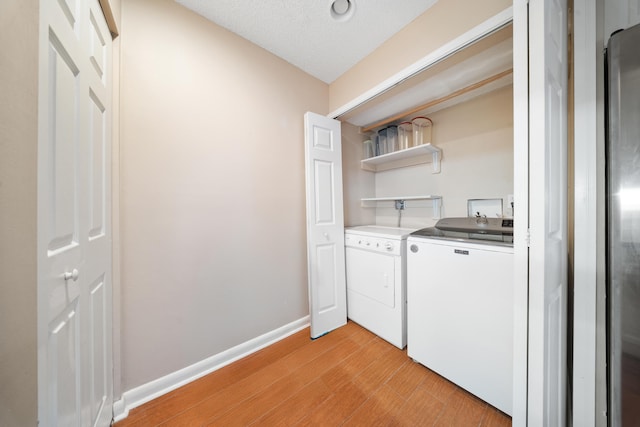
x=436, y=162
x=436, y=208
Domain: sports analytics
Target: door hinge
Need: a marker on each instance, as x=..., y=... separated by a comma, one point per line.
x=528, y=237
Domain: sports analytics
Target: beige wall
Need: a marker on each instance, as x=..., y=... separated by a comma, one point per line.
x=357, y=183
x=476, y=138
x=213, y=247
x=441, y=23
x=18, y=161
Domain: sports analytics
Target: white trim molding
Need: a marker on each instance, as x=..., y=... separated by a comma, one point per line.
x=521, y=210
x=156, y=388
x=589, y=369
x=495, y=22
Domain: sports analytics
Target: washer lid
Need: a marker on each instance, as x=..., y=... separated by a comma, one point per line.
x=478, y=224
x=501, y=239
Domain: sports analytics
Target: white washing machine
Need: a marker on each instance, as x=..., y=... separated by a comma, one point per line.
x=376, y=280
x=460, y=312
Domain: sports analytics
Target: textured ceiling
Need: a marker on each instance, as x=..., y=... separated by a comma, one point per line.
x=303, y=32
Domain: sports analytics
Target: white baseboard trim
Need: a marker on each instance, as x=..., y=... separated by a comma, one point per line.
x=156, y=388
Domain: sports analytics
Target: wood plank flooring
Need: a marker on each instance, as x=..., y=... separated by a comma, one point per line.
x=348, y=377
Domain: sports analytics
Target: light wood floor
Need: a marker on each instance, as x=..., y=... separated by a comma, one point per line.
x=348, y=377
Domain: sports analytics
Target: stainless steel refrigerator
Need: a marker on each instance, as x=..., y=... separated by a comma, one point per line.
x=623, y=222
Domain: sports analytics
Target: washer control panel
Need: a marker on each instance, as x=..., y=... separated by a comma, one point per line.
x=375, y=244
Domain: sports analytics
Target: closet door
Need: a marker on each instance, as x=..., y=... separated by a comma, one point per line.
x=548, y=213
x=74, y=217
x=325, y=224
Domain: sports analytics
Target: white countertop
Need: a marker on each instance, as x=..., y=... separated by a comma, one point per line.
x=380, y=231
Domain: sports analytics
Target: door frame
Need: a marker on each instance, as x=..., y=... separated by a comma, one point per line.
x=589, y=368
x=521, y=210
x=476, y=33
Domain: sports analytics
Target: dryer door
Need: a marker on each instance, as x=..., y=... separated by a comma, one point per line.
x=372, y=275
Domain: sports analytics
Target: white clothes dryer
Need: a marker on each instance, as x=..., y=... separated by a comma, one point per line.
x=376, y=280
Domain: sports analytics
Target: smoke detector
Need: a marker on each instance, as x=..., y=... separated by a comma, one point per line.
x=342, y=10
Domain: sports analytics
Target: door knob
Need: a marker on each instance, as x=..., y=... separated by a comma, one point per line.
x=73, y=275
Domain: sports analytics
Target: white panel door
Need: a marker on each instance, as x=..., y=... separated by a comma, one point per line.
x=74, y=232
x=548, y=209
x=325, y=224
x=521, y=209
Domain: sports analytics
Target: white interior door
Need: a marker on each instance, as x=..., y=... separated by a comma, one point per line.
x=74, y=217
x=548, y=206
x=325, y=224
x=521, y=209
